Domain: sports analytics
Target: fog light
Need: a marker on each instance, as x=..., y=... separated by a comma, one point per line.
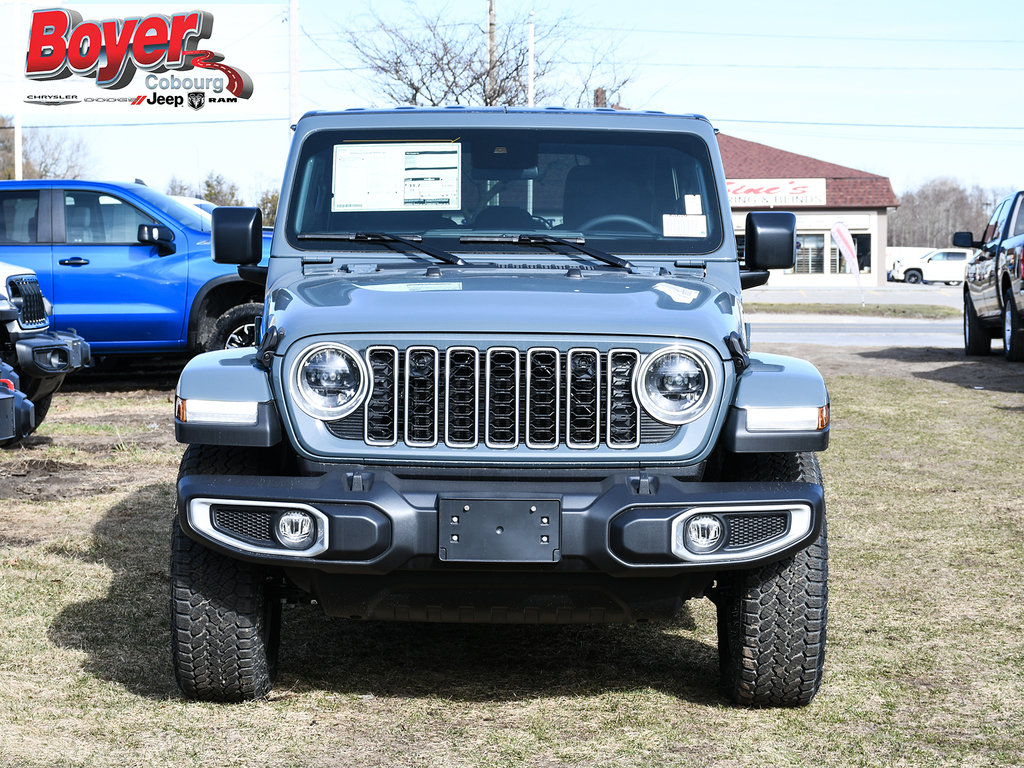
x=703, y=534
x=51, y=359
x=296, y=530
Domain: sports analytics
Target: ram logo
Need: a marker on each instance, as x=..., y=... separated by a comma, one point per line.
x=196, y=99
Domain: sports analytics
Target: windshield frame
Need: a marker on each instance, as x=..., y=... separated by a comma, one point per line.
x=690, y=147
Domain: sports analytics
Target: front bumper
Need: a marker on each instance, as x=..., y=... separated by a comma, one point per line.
x=17, y=412
x=44, y=359
x=375, y=523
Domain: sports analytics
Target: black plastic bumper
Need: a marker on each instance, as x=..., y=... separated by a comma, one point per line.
x=17, y=412
x=375, y=523
x=46, y=358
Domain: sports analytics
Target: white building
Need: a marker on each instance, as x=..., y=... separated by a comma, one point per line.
x=821, y=195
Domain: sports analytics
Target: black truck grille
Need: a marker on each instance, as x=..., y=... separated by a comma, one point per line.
x=28, y=298
x=501, y=397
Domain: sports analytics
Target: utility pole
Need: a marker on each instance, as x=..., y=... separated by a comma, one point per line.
x=19, y=19
x=293, y=62
x=530, y=72
x=492, y=84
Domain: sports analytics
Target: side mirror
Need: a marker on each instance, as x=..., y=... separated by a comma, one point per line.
x=770, y=240
x=161, y=237
x=965, y=240
x=237, y=235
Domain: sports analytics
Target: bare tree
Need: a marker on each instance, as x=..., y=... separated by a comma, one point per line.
x=268, y=204
x=181, y=188
x=47, y=154
x=433, y=61
x=220, y=191
x=929, y=215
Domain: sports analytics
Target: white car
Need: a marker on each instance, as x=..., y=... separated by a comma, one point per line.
x=942, y=266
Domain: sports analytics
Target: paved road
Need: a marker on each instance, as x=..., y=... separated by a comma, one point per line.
x=854, y=331
x=890, y=293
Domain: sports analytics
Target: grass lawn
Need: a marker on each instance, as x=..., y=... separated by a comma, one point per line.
x=896, y=311
x=925, y=661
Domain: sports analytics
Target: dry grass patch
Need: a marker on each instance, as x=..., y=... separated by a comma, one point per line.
x=925, y=657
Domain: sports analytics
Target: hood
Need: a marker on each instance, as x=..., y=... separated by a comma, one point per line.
x=514, y=301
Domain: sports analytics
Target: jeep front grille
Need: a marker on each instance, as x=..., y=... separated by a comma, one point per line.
x=28, y=298
x=502, y=397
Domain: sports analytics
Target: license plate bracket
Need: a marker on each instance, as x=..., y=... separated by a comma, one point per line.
x=499, y=530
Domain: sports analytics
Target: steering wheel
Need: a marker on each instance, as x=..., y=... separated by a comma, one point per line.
x=624, y=218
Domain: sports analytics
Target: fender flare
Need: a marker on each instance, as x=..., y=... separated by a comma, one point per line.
x=777, y=382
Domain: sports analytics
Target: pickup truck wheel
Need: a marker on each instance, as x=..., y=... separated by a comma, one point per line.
x=912, y=276
x=42, y=408
x=225, y=622
x=772, y=620
x=977, y=341
x=1013, y=333
x=236, y=327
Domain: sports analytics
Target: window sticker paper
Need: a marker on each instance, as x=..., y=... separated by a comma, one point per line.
x=675, y=225
x=404, y=176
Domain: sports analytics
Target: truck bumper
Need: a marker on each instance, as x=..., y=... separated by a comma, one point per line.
x=374, y=523
x=17, y=414
x=45, y=359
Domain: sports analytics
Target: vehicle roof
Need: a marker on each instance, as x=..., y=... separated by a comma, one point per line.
x=72, y=183
x=503, y=117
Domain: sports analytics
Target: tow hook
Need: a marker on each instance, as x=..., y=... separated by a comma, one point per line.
x=734, y=343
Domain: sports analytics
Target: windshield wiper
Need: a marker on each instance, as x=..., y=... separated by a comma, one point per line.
x=577, y=245
x=413, y=242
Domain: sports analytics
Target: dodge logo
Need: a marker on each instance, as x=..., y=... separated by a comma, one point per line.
x=196, y=99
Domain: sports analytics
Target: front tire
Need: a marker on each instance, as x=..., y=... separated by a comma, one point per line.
x=912, y=276
x=977, y=341
x=225, y=622
x=236, y=327
x=772, y=620
x=1013, y=333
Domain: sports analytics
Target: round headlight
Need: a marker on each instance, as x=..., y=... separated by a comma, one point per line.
x=674, y=385
x=330, y=381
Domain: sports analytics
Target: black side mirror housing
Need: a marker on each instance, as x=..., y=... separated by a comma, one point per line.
x=161, y=237
x=965, y=240
x=237, y=235
x=770, y=241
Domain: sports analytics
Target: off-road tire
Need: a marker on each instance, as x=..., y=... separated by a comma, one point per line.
x=42, y=407
x=912, y=276
x=236, y=327
x=772, y=620
x=225, y=620
x=1013, y=332
x=977, y=340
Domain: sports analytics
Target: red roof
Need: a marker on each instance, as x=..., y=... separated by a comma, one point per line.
x=844, y=187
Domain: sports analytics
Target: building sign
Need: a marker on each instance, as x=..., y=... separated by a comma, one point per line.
x=784, y=193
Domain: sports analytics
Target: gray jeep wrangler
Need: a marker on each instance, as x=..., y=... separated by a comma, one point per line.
x=33, y=359
x=502, y=376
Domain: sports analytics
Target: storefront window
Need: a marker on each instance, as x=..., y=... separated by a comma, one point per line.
x=810, y=254
x=863, y=243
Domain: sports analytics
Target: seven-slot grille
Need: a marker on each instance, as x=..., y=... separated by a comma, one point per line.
x=28, y=298
x=501, y=397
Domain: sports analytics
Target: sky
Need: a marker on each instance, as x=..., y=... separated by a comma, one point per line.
x=907, y=89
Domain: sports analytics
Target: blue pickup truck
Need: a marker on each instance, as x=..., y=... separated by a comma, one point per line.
x=126, y=266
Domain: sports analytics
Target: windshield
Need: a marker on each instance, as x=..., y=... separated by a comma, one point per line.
x=620, y=191
x=190, y=216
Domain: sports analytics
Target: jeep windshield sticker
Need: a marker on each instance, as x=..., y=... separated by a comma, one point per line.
x=397, y=177
x=410, y=287
x=685, y=225
x=677, y=293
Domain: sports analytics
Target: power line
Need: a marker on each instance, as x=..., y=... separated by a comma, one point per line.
x=788, y=36
x=876, y=125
